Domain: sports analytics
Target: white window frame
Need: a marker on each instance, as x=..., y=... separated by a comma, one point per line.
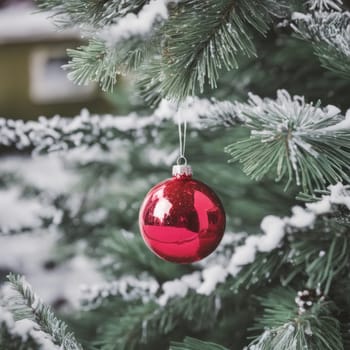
x=44, y=91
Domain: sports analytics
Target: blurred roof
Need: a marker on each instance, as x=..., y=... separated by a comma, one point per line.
x=20, y=21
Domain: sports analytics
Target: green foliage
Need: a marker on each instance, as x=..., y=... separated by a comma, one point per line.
x=293, y=139
x=283, y=62
x=199, y=30
x=121, y=246
x=10, y=341
x=286, y=329
x=316, y=254
x=329, y=35
x=146, y=324
x=263, y=271
x=97, y=62
x=212, y=34
x=324, y=259
x=195, y=344
x=96, y=13
x=28, y=305
x=125, y=332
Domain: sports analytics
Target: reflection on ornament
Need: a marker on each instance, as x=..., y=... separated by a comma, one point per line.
x=181, y=219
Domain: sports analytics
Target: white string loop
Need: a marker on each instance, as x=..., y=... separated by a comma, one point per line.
x=182, y=141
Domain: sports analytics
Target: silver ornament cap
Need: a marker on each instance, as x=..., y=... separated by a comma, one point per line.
x=182, y=170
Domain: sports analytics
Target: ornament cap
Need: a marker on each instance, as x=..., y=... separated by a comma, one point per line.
x=182, y=170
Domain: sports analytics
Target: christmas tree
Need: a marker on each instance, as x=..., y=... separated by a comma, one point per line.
x=263, y=86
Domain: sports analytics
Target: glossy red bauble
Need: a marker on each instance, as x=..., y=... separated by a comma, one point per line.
x=182, y=220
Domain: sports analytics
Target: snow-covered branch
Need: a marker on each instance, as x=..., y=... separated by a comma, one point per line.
x=325, y=5
x=217, y=269
x=274, y=229
x=61, y=134
x=139, y=24
x=329, y=33
x=37, y=319
x=293, y=138
x=128, y=288
x=25, y=332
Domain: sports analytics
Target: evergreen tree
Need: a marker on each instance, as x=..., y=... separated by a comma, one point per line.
x=267, y=82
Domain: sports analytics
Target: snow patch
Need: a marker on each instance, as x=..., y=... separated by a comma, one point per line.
x=27, y=254
x=274, y=229
x=212, y=276
x=343, y=125
x=137, y=24
x=26, y=329
x=44, y=172
x=171, y=289
x=340, y=195
x=17, y=212
x=301, y=217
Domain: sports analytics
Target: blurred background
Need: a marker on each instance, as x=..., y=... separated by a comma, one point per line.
x=33, y=84
x=32, y=52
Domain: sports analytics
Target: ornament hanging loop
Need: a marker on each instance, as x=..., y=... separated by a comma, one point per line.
x=181, y=160
x=182, y=168
x=182, y=141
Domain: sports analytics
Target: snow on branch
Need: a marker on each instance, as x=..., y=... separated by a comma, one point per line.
x=25, y=331
x=212, y=36
x=119, y=45
x=217, y=269
x=329, y=33
x=285, y=326
x=88, y=13
x=38, y=317
x=274, y=229
x=203, y=112
x=293, y=139
x=146, y=288
x=139, y=24
x=195, y=344
x=325, y=5
x=127, y=287
x=213, y=33
x=61, y=134
x=30, y=210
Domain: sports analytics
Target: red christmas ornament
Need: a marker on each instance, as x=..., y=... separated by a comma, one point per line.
x=181, y=219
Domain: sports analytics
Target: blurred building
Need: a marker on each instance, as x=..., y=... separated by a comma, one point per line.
x=32, y=52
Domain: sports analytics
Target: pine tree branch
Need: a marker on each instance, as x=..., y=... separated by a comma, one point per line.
x=146, y=322
x=323, y=261
x=49, y=135
x=121, y=245
x=23, y=192
x=96, y=13
x=18, y=335
x=125, y=36
x=128, y=288
x=329, y=35
x=289, y=249
x=291, y=328
x=27, y=302
x=257, y=261
x=212, y=35
x=58, y=133
x=98, y=62
x=195, y=344
x=317, y=261
x=325, y=5
x=293, y=140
